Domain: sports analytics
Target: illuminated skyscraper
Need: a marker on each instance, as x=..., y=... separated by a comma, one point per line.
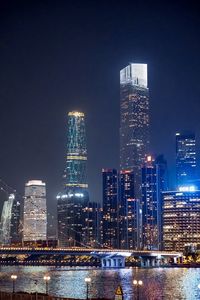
x=110, y=208
x=72, y=202
x=185, y=158
x=134, y=120
x=35, y=212
x=76, y=156
x=128, y=212
x=153, y=183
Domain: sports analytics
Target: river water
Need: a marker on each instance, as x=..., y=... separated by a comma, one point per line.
x=158, y=283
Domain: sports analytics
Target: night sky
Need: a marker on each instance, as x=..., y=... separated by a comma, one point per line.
x=57, y=56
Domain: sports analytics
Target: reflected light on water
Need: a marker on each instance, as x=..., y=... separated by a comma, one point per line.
x=158, y=283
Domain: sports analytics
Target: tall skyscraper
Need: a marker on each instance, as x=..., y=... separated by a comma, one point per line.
x=181, y=218
x=75, y=176
x=74, y=199
x=134, y=120
x=153, y=182
x=35, y=212
x=110, y=208
x=185, y=158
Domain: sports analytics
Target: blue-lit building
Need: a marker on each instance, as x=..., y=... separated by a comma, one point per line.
x=181, y=218
x=74, y=198
x=110, y=225
x=75, y=175
x=153, y=183
x=134, y=120
x=185, y=159
x=128, y=212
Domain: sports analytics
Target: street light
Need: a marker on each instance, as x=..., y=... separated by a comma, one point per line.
x=87, y=281
x=46, y=279
x=137, y=283
x=14, y=278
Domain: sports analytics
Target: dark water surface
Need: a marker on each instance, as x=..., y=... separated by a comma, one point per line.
x=158, y=283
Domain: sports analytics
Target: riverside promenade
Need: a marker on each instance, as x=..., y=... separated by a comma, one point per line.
x=37, y=296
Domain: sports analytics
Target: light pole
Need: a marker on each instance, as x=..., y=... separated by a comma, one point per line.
x=46, y=279
x=87, y=281
x=137, y=283
x=14, y=278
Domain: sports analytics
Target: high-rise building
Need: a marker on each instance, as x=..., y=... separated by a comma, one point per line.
x=10, y=221
x=181, y=218
x=35, y=212
x=128, y=212
x=153, y=182
x=74, y=198
x=185, y=158
x=134, y=120
x=75, y=176
x=110, y=208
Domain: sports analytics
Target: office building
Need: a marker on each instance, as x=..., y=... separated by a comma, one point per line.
x=134, y=120
x=185, y=159
x=128, y=212
x=153, y=182
x=181, y=218
x=35, y=212
x=74, y=198
x=110, y=208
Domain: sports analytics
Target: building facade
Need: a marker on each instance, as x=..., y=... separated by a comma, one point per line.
x=185, y=158
x=10, y=221
x=75, y=174
x=73, y=200
x=181, y=218
x=128, y=212
x=134, y=120
x=153, y=183
x=110, y=225
x=35, y=212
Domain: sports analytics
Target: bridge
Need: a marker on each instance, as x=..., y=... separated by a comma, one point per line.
x=110, y=258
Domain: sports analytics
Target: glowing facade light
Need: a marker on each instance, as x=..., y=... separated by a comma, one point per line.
x=185, y=158
x=190, y=188
x=134, y=120
x=35, y=211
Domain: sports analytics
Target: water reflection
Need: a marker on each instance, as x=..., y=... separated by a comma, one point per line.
x=169, y=283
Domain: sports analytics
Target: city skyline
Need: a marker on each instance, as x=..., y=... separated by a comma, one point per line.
x=39, y=89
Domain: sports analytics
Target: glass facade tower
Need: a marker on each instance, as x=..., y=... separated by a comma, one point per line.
x=153, y=183
x=76, y=158
x=185, y=158
x=72, y=202
x=134, y=120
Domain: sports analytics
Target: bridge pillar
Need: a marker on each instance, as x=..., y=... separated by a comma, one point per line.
x=153, y=261
x=113, y=262
x=175, y=260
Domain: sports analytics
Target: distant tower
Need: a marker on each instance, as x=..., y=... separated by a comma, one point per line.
x=74, y=199
x=153, y=183
x=134, y=120
x=35, y=212
x=185, y=158
x=110, y=208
